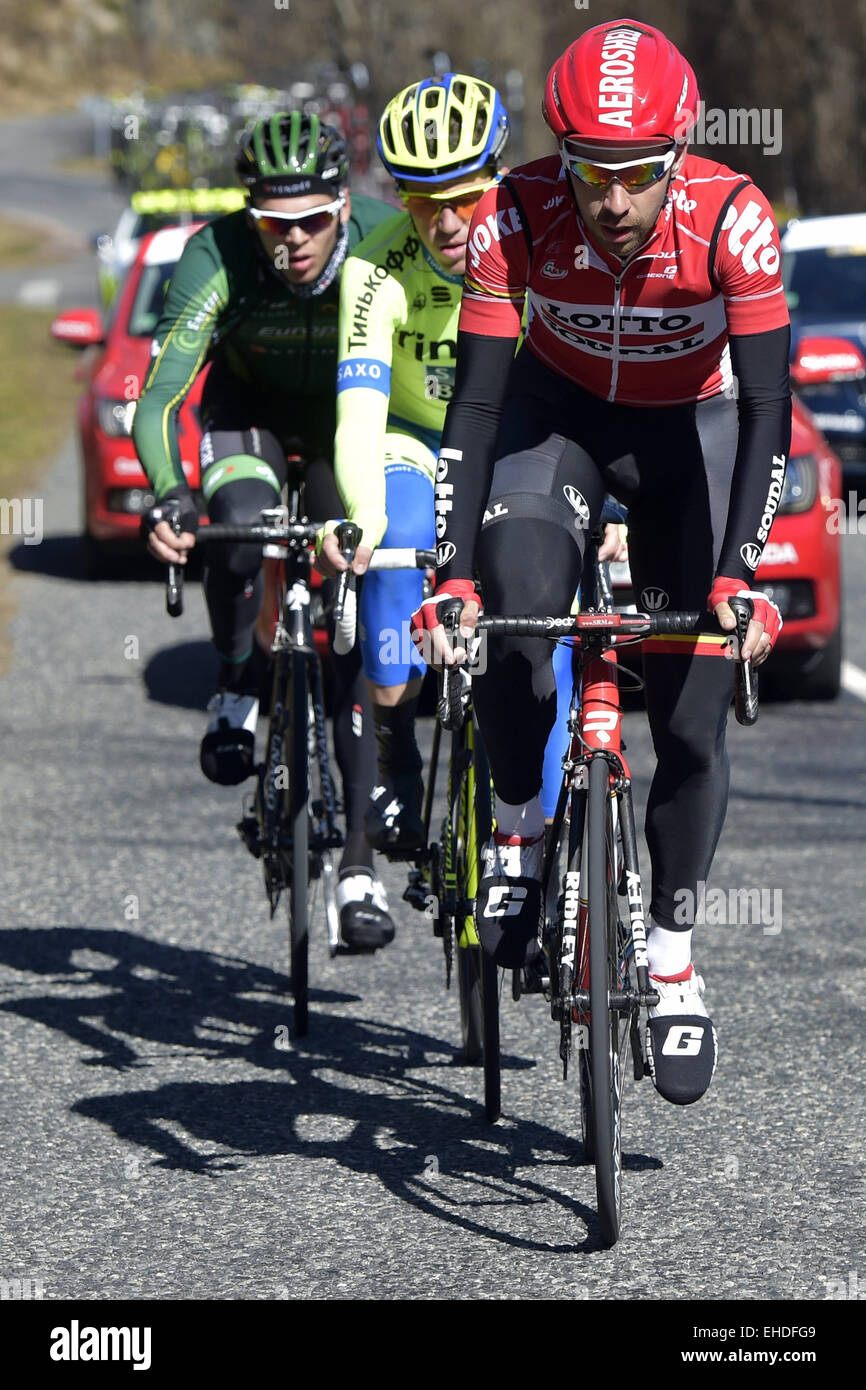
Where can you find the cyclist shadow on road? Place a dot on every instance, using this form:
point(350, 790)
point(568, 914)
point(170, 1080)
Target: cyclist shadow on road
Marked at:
point(140, 994)
point(369, 1095)
point(184, 675)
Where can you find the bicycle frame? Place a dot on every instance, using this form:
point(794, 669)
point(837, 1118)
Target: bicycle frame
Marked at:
point(293, 633)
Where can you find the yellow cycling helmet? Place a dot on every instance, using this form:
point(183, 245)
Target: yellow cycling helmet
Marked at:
point(442, 128)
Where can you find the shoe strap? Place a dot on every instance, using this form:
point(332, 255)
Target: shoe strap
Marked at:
point(500, 839)
point(675, 979)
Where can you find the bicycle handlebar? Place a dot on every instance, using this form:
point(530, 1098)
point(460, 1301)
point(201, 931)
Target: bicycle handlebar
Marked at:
point(282, 532)
point(346, 604)
point(634, 625)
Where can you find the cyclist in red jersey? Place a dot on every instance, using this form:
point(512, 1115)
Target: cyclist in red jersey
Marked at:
point(655, 367)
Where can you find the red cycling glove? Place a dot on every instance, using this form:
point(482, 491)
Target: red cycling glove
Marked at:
point(765, 610)
point(424, 619)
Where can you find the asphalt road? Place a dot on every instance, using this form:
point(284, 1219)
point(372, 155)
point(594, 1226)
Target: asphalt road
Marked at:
point(161, 1142)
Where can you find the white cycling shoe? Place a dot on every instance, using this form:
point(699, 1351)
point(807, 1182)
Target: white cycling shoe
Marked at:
point(227, 753)
point(682, 1047)
point(365, 923)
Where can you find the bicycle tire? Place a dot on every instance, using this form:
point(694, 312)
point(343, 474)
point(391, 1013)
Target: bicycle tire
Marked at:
point(478, 970)
point(464, 844)
point(489, 969)
point(295, 756)
point(607, 1026)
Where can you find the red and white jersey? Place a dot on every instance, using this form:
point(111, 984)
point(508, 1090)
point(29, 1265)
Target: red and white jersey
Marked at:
point(650, 331)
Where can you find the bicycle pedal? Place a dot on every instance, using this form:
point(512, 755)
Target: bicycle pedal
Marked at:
point(248, 829)
point(417, 891)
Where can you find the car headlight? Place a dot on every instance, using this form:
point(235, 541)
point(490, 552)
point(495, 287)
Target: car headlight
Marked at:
point(115, 417)
point(801, 485)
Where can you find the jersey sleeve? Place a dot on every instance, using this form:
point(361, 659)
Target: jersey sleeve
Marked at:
point(372, 305)
point(497, 267)
point(197, 294)
point(747, 265)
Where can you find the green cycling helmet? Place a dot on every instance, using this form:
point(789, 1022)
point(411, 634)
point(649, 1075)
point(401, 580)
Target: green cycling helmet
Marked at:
point(292, 152)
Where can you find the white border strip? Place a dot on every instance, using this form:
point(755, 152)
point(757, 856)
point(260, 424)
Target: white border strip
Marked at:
point(854, 680)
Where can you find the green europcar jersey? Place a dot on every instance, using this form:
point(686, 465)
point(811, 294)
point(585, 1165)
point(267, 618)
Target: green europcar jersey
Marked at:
point(227, 304)
point(398, 345)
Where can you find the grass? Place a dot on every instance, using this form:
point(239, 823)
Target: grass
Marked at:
point(37, 395)
point(93, 165)
point(24, 244)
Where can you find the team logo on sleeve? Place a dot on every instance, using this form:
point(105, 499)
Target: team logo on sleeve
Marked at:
point(750, 237)
point(751, 555)
point(445, 551)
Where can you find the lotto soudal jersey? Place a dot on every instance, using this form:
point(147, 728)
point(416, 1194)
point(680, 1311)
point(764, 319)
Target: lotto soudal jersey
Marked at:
point(227, 303)
point(652, 331)
point(398, 343)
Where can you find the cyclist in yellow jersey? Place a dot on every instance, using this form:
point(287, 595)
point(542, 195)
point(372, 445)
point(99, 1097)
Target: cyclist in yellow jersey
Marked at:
point(441, 139)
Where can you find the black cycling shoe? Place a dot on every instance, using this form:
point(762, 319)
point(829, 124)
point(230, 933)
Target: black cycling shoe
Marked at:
point(392, 822)
point(227, 754)
point(508, 907)
point(365, 923)
point(681, 1042)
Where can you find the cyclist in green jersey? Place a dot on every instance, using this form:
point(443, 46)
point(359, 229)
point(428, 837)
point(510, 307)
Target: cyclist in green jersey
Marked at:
point(441, 139)
point(255, 295)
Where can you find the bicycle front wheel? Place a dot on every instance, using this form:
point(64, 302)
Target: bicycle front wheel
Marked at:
point(608, 1024)
point(478, 975)
point(296, 820)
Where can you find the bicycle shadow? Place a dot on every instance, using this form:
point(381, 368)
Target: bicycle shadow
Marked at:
point(218, 1007)
point(381, 1086)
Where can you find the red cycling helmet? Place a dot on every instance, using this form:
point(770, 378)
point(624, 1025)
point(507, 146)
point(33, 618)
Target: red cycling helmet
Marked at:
point(621, 83)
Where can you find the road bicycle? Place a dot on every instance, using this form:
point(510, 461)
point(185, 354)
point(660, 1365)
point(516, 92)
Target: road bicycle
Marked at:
point(290, 821)
point(595, 975)
point(445, 878)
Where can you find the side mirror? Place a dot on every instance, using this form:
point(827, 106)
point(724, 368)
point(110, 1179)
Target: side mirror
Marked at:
point(79, 327)
point(827, 359)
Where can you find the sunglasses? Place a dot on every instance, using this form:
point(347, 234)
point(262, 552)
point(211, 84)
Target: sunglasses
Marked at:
point(429, 205)
point(633, 173)
point(316, 220)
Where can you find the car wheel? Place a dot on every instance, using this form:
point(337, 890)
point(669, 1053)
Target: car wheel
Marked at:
point(814, 675)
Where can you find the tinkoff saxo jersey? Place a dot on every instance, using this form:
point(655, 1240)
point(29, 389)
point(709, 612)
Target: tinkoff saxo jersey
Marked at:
point(226, 302)
point(398, 345)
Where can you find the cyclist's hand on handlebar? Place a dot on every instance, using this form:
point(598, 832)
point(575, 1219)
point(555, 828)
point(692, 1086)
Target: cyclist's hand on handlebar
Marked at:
point(766, 623)
point(163, 541)
point(614, 546)
point(428, 634)
point(330, 562)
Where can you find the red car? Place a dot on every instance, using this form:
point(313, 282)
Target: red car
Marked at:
point(116, 490)
point(799, 569)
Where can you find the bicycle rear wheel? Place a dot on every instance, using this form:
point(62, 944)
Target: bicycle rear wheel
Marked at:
point(478, 976)
point(463, 851)
point(296, 820)
point(608, 1024)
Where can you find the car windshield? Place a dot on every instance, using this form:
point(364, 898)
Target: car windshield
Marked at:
point(826, 281)
point(149, 298)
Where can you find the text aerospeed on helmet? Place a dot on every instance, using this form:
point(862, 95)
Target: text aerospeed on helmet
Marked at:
point(442, 128)
point(292, 153)
point(622, 82)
